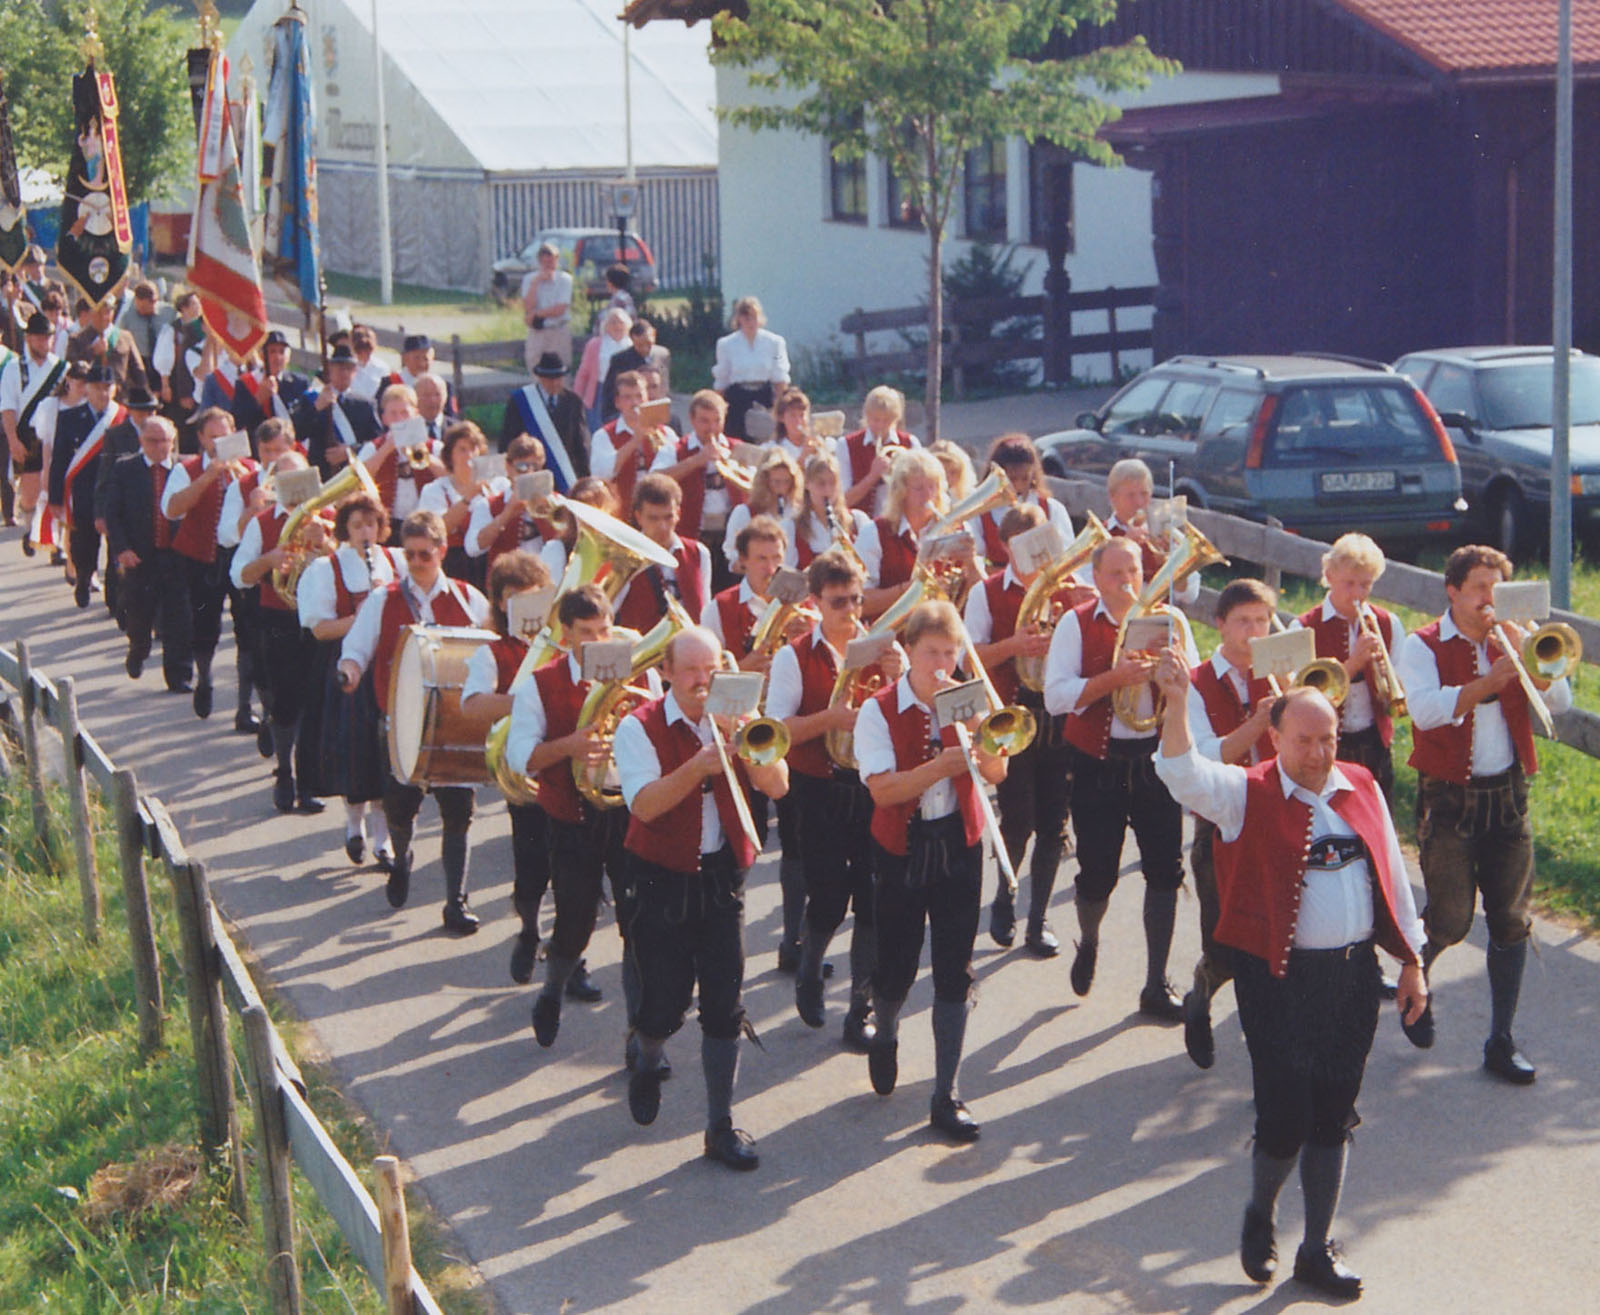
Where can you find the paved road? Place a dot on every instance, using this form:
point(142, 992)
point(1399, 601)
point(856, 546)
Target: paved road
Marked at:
point(1110, 1174)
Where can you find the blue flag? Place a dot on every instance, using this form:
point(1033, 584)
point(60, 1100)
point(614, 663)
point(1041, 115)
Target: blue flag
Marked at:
point(289, 138)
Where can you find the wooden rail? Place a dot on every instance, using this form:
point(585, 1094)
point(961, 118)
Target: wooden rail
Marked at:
point(215, 977)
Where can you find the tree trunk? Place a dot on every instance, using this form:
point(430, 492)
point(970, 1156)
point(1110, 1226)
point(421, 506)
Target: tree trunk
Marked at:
point(935, 331)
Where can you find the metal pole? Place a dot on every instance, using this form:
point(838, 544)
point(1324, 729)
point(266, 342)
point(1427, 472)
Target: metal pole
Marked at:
point(1561, 334)
point(627, 104)
point(385, 240)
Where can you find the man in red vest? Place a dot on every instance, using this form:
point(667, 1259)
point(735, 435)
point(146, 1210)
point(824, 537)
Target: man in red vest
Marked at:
point(643, 600)
point(1311, 880)
point(688, 851)
point(927, 834)
point(1472, 746)
point(424, 597)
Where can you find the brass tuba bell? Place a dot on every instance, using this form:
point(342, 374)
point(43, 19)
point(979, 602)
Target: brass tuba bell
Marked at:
point(353, 479)
point(1036, 611)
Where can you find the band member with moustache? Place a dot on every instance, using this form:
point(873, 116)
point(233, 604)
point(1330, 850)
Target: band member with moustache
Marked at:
point(121, 440)
point(27, 381)
point(332, 421)
point(175, 365)
point(815, 530)
point(1034, 796)
point(889, 546)
point(74, 472)
point(273, 391)
point(400, 481)
point(561, 404)
point(927, 834)
point(1350, 568)
point(424, 596)
point(450, 497)
point(342, 732)
point(1311, 879)
point(643, 600)
point(833, 809)
point(627, 447)
point(774, 491)
point(285, 653)
point(416, 363)
point(688, 854)
point(563, 841)
point(1019, 459)
point(1229, 716)
point(1114, 783)
point(864, 456)
point(1472, 746)
point(139, 537)
point(243, 500)
point(707, 497)
point(501, 522)
point(1130, 487)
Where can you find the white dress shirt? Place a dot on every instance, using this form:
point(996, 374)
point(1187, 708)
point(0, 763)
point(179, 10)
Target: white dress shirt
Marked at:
point(1063, 669)
point(177, 482)
point(818, 537)
point(1206, 740)
point(407, 498)
point(12, 393)
point(553, 291)
point(529, 721)
point(361, 640)
point(752, 363)
point(741, 516)
point(875, 750)
point(1356, 712)
point(869, 545)
point(440, 496)
point(249, 549)
point(714, 501)
point(639, 766)
point(482, 675)
point(1433, 705)
point(233, 509)
point(317, 598)
point(979, 623)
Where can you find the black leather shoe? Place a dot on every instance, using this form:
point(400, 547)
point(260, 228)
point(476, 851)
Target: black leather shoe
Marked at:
point(202, 700)
point(1042, 942)
point(1324, 1269)
point(1197, 1038)
point(180, 687)
point(459, 918)
point(27, 545)
point(264, 737)
point(644, 1095)
point(1258, 1248)
point(731, 1146)
point(546, 1018)
point(80, 595)
point(581, 987)
point(1082, 975)
point(245, 723)
point(1420, 1032)
point(355, 847)
point(1002, 924)
point(524, 954)
point(860, 1029)
point(630, 1058)
point(883, 1064)
point(283, 792)
point(789, 956)
point(1502, 1058)
point(951, 1118)
point(309, 804)
point(134, 666)
point(1161, 1003)
point(808, 1002)
point(398, 887)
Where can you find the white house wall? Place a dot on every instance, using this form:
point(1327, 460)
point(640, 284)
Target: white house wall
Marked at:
point(809, 270)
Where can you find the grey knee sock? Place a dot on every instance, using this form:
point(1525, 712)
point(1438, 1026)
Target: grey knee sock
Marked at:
point(453, 858)
point(887, 1012)
point(813, 949)
point(1267, 1176)
point(557, 970)
point(719, 1057)
point(792, 884)
point(1321, 1181)
point(1091, 912)
point(949, 1035)
point(1160, 913)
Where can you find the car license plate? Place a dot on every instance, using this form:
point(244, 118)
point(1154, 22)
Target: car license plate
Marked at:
point(1358, 481)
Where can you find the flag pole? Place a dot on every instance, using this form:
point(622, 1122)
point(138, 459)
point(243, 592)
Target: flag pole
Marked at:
point(385, 244)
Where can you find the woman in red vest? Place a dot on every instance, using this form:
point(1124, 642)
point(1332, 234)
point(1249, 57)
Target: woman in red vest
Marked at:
point(451, 498)
point(917, 497)
point(1311, 880)
point(927, 834)
point(867, 456)
point(688, 853)
point(1018, 458)
point(774, 491)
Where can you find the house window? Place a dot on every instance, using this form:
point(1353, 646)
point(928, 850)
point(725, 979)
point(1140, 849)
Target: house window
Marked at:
point(986, 193)
point(847, 190)
point(903, 212)
point(1049, 166)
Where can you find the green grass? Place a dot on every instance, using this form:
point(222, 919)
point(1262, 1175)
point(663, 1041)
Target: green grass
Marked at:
point(75, 1097)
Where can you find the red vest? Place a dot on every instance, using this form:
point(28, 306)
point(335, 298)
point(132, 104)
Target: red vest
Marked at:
point(863, 453)
point(1333, 640)
point(627, 472)
point(819, 669)
point(804, 553)
point(1089, 729)
point(1151, 559)
point(271, 520)
point(510, 538)
point(909, 732)
point(640, 609)
point(1223, 708)
point(196, 537)
point(899, 554)
point(692, 509)
point(449, 609)
point(563, 701)
point(1004, 606)
point(508, 652)
point(1446, 751)
point(993, 545)
point(388, 476)
point(672, 841)
point(1260, 891)
point(345, 601)
point(738, 624)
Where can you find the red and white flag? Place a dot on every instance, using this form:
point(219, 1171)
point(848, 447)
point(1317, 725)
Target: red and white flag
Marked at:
point(224, 263)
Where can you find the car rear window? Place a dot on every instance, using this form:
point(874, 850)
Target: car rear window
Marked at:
point(1519, 396)
point(1329, 423)
point(1233, 413)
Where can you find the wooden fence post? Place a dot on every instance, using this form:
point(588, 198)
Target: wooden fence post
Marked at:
point(136, 901)
point(458, 373)
point(1111, 327)
point(82, 834)
point(1272, 572)
point(396, 1236)
point(30, 751)
point(272, 1155)
point(218, 1111)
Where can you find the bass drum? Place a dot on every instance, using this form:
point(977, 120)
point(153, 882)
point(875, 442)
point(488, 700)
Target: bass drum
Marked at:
point(431, 741)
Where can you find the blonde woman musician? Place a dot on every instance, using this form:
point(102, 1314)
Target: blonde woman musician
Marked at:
point(889, 545)
point(867, 456)
point(775, 492)
point(813, 529)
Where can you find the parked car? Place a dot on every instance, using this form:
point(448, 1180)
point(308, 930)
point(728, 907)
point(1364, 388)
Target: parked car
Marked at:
point(585, 254)
point(1323, 443)
point(1495, 402)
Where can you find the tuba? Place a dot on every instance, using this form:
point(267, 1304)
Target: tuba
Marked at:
point(354, 478)
point(1191, 552)
point(1038, 611)
point(517, 786)
point(994, 490)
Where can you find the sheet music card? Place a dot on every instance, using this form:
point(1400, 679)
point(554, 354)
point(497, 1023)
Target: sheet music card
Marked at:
point(607, 659)
point(1034, 549)
point(734, 694)
point(961, 703)
point(409, 433)
point(945, 546)
point(827, 424)
point(1281, 655)
point(866, 650)
point(788, 586)
point(233, 447)
point(489, 467)
point(1522, 600)
point(536, 487)
point(1148, 634)
point(527, 611)
point(747, 454)
point(1165, 514)
point(656, 414)
point(297, 486)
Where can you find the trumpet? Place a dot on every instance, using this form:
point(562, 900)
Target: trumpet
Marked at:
point(1386, 687)
point(1553, 650)
point(417, 455)
point(734, 473)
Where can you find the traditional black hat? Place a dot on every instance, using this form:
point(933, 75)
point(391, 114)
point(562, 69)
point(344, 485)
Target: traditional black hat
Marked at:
point(342, 355)
point(37, 323)
point(100, 374)
point(416, 342)
point(78, 370)
point(276, 338)
point(139, 399)
point(550, 366)
point(35, 255)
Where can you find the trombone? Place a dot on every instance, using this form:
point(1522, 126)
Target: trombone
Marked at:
point(1553, 650)
point(1021, 729)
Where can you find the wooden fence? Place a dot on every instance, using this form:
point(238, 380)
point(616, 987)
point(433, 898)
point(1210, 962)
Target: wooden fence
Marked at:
point(1281, 553)
point(1055, 347)
point(215, 980)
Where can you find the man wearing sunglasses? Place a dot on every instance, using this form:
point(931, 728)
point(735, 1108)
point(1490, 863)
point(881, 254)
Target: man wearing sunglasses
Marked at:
point(501, 522)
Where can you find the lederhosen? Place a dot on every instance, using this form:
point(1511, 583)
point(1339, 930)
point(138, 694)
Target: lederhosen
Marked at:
point(1368, 746)
point(350, 758)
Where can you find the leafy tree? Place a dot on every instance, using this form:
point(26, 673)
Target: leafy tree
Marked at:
point(919, 83)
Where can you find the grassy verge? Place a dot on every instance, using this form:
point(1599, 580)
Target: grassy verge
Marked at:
point(103, 1204)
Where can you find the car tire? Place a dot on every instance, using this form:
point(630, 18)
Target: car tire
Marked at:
point(1508, 528)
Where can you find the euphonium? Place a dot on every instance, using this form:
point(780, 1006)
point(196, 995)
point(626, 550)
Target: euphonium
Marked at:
point(1037, 610)
point(517, 786)
point(772, 625)
point(353, 479)
point(994, 490)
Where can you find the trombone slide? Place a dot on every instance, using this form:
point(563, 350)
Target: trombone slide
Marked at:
point(991, 823)
point(1535, 700)
point(741, 806)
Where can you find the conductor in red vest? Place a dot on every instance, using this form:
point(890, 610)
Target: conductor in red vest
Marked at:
point(1311, 883)
point(688, 851)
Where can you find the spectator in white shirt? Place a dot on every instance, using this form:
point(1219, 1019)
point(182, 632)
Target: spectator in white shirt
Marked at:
point(752, 364)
